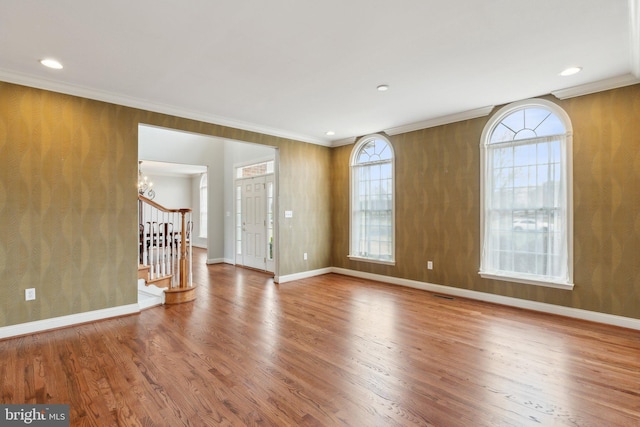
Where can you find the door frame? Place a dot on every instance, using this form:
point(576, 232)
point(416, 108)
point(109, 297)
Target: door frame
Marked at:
point(273, 177)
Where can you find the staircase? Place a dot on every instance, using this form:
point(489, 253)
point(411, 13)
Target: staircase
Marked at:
point(164, 254)
point(151, 292)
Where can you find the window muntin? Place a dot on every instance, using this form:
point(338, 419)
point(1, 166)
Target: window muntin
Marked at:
point(533, 122)
point(526, 203)
point(372, 200)
point(256, 169)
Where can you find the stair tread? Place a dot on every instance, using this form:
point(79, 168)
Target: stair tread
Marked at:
point(159, 280)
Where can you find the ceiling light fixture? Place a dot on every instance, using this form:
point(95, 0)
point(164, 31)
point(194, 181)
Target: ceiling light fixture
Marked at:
point(144, 185)
point(51, 63)
point(383, 88)
point(570, 71)
point(329, 133)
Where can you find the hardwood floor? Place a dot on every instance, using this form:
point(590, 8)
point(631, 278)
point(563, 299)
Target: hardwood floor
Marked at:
point(328, 351)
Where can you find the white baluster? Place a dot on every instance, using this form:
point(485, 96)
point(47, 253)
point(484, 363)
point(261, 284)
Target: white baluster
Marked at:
point(156, 255)
point(161, 241)
point(167, 242)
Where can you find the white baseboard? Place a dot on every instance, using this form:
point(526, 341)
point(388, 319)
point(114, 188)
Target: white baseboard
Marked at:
point(92, 316)
point(216, 261)
point(302, 275)
point(576, 313)
point(64, 321)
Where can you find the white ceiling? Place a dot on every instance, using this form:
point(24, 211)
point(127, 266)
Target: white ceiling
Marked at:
point(298, 68)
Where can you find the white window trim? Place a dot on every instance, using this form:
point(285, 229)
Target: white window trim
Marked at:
point(371, 260)
point(484, 139)
point(352, 160)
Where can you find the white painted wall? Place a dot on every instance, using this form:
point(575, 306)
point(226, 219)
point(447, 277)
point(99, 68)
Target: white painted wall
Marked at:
point(166, 145)
point(194, 188)
point(172, 192)
point(176, 192)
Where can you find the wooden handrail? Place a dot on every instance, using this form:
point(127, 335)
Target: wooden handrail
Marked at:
point(159, 261)
point(162, 208)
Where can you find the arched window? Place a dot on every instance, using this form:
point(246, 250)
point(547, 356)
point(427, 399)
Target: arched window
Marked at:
point(526, 209)
point(372, 200)
point(203, 205)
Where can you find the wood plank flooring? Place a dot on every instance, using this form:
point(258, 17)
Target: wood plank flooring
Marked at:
point(328, 351)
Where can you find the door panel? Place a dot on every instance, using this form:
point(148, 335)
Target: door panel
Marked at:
point(253, 223)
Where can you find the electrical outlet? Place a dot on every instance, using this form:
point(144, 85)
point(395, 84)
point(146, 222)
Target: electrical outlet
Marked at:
point(30, 294)
point(304, 256)
point(430, 265)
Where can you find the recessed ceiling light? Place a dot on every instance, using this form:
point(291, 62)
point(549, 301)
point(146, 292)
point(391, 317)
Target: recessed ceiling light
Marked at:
point(383, 88)
point(329, 133)
point(570, 71)
point(51, 63)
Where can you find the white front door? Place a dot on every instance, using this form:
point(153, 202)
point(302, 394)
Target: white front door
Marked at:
point(254, 223)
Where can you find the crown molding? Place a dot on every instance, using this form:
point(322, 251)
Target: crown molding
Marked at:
point(440, 121)
point(127, 101)
point(344, 141)
point(425, 124)
point(598, 86)
point(84, 92)
point(634, 36)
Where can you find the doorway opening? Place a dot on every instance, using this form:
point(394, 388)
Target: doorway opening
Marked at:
point(220, 157)
point(255, 195)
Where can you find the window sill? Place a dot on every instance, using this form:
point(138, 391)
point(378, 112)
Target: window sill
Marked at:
point(527, 280)
point(371, 260)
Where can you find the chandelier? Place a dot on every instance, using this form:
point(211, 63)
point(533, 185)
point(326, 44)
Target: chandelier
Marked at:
point(144, 185)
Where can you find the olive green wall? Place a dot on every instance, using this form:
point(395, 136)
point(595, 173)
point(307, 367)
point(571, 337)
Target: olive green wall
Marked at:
point(68, 201)
point(438, 207)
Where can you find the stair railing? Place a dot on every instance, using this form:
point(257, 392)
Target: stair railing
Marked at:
point(165, 242)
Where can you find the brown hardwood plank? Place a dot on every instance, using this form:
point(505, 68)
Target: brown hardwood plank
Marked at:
point(327, 351)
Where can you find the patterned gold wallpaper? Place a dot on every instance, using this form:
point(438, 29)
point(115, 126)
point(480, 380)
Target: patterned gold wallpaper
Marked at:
point(305, 189)
point(65, 221)
point(68, 204)
point(68, 201)
point(438, 217)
